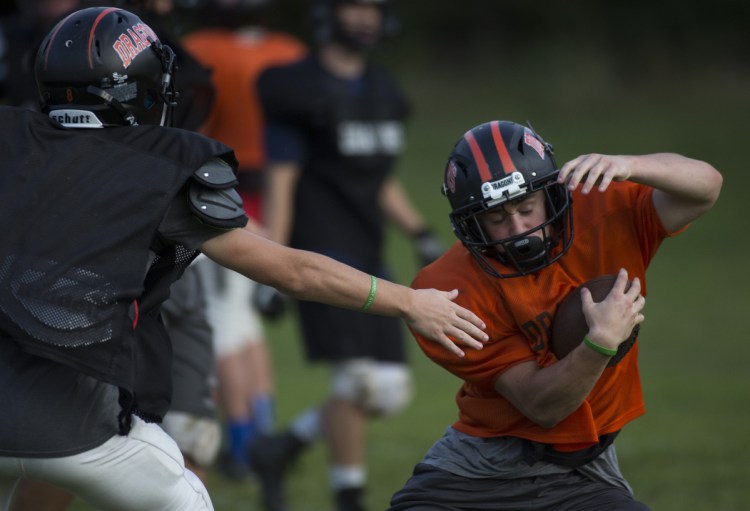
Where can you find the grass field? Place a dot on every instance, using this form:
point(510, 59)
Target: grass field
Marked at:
point(690, 451)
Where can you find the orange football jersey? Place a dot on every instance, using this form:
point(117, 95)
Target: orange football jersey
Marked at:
point(615, 229)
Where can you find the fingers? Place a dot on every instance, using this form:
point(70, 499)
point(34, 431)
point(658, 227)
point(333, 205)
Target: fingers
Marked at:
point(589, 169)
point(613, 319)
point(587, 166)
point(447, 323)
point(451, 346)
point(467, 323)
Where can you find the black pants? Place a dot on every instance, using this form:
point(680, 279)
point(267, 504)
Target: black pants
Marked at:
point(434, 490)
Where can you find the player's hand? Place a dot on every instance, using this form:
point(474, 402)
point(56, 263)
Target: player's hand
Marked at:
point(590, 170)
point(269, 301)
point(612, 320)
point(428, 246)
point(436, 317)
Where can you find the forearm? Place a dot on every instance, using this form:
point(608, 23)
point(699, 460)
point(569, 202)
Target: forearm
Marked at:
point(398, 208)
point(548, 395)
point(279, 200)
point(676, 175)
point(322, 279)
point(314, 277)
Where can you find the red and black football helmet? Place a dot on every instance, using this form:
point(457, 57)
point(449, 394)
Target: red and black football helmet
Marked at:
point(492, 164)
point(103, 66)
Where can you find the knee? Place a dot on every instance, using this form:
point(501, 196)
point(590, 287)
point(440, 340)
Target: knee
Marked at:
point(379, 389)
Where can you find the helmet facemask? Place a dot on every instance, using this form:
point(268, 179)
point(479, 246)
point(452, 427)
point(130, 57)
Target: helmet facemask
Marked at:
point(526, 252)
point(497, 164)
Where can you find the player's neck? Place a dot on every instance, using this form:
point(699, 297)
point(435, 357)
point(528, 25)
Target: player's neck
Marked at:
point(342, 62)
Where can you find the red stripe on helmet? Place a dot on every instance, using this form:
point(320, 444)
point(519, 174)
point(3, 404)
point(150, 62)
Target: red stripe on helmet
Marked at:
point(502, 151)
point(93, 30)
point(476, 152)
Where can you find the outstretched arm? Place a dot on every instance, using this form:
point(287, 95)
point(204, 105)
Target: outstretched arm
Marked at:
point(684, 188)
point(314, 277)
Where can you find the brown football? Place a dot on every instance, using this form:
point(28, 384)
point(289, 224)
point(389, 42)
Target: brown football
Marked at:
point(569, 326)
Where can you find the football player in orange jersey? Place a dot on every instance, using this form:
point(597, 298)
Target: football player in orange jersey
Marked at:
point(536, 432)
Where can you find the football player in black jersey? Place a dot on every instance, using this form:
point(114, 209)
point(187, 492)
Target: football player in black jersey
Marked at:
point(102, 206)
point(335, 128)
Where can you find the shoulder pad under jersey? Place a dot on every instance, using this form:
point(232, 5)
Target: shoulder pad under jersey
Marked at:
point(212, 196)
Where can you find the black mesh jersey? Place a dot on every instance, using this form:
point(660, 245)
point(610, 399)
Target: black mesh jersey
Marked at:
point(81, 278)
point(352, 133)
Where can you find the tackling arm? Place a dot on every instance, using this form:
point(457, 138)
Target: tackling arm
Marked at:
point(310, 276)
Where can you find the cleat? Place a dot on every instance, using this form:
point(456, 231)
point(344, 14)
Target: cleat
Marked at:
point(271, 456)
point(350, 499)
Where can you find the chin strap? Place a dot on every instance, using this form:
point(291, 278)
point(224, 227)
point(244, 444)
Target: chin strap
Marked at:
point(169, 71)
point(127, 116)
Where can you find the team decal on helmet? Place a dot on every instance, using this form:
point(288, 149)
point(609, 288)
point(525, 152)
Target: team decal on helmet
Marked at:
point(132, 42)
point(450, 176)
point(530, 140)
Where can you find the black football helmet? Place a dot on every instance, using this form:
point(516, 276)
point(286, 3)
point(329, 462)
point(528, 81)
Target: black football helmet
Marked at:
point(327, 26)
point(492, 164)
point(103, 66)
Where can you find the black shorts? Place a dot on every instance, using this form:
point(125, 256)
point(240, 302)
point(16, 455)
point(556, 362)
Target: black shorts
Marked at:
point(334, 334)
point(431, 489)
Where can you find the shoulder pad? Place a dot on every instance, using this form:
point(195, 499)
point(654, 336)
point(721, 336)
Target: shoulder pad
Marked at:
point(213, 199)
point(216, 174)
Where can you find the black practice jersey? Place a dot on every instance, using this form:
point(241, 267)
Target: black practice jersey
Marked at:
point(51, 410)
point(96, 226)
point(346, 135)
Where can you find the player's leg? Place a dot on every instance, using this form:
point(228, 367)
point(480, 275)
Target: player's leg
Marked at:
point(361, 389)
point(198, 438)
point(344, 424)
point(238, 339)
point(430, 487)
point(143, 470)
point(7, 484)
point(260, 387)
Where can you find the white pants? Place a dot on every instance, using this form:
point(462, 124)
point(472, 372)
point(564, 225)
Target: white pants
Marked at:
point(141, 471)
point(235, 321)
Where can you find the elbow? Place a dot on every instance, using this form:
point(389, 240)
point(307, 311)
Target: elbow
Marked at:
point(544, 416)
point(545, 420)
point(717, 181)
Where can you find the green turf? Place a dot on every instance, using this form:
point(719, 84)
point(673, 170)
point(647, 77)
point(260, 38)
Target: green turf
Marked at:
point(690, 451)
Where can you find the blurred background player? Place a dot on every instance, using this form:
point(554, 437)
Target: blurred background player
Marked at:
point(235, 43)
point(335, 127)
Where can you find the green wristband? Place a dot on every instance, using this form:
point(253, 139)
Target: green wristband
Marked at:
point(371, 296)
point(599, 349)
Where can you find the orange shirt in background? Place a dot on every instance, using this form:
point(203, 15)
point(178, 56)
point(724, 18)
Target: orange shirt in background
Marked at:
point(236, 59)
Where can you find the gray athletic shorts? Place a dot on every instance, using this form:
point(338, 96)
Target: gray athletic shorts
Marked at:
point(432, 489)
